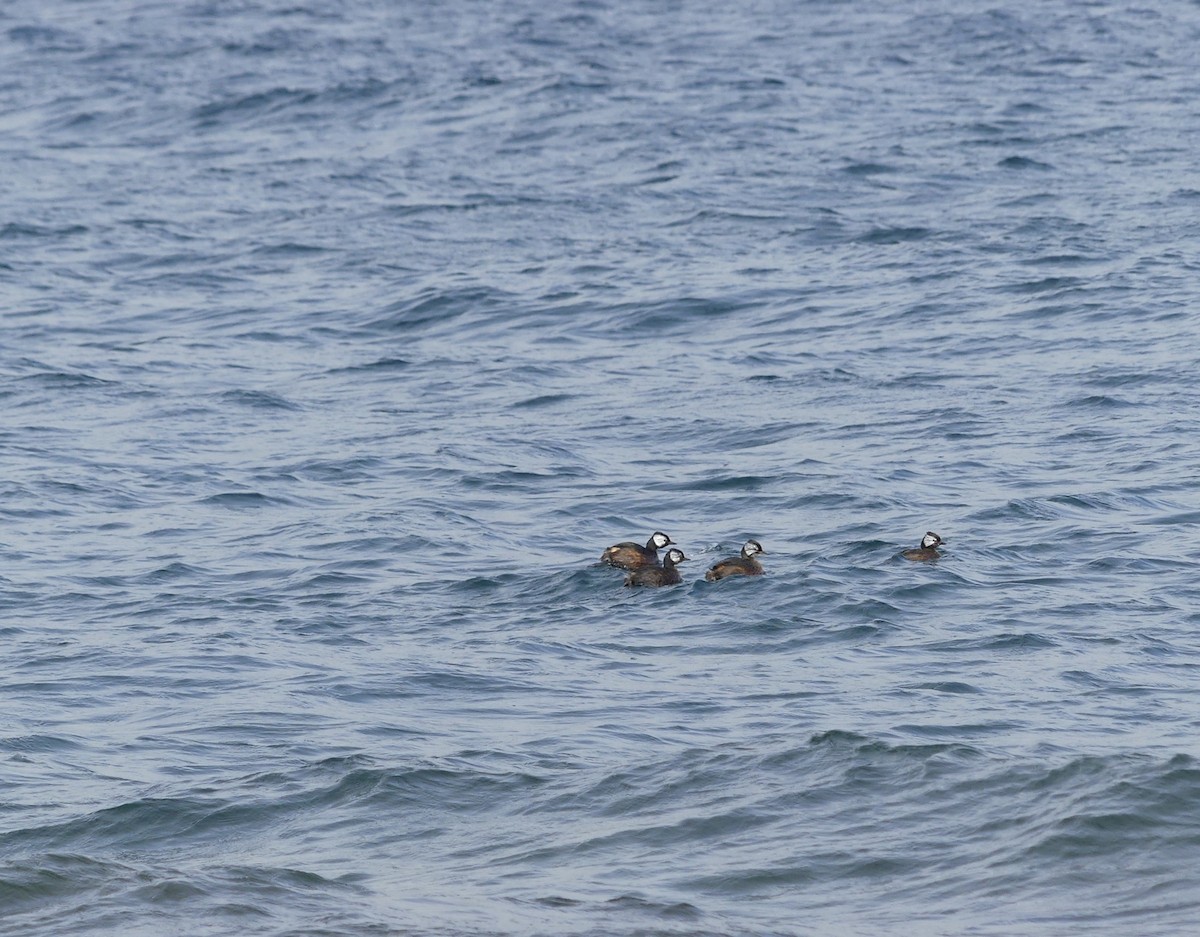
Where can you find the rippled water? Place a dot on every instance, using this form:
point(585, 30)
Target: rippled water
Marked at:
point(339, 339)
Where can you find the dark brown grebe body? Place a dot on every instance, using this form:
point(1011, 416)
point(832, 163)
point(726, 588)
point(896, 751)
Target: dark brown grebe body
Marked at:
point(928, 550)
point(744, 565)
point(630, 555)
point(665, 575)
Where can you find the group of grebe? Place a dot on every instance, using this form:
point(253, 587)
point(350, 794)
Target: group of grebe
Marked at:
point(644, 569)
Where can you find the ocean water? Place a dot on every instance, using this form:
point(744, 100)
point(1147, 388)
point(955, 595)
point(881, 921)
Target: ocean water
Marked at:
point(338, 339)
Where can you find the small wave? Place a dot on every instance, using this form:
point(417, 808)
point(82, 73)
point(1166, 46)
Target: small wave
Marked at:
point(1063, 260)
point(1021, 508)
point(289, 249)
point(381, 365)
point(39, 743)
point(27, 884)
point(16, 230)
point(174, 572)
point(947, 686)
point(894, 235)
point(352, 469)
point(1028, 641)
point(46, 38)
point(1116, 805)
point(542, 400)
point(242, 499)
point(254, 106)
point(257, 399)
point(1100, 402)
point(1023, 162)
point(439, 307)
point(1183, 518)
point(68, 380)
point(1044, 285)
point(509, 479)
point(869, 169)
point(731, 483)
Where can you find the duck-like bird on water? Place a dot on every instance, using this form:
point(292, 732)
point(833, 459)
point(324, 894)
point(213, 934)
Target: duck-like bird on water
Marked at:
point(665, 575)
point(630, 555)
point(928, 550)
point(744, 565)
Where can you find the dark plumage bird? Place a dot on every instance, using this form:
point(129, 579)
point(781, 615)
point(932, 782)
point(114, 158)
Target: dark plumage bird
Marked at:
point(928, 550)
point(744, 565)
point(665, 575)
point(630, 555)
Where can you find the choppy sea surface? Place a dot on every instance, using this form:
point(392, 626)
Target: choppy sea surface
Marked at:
point(337, 339)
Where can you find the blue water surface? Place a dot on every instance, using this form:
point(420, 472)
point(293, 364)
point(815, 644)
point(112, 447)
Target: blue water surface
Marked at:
point(338, 339)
